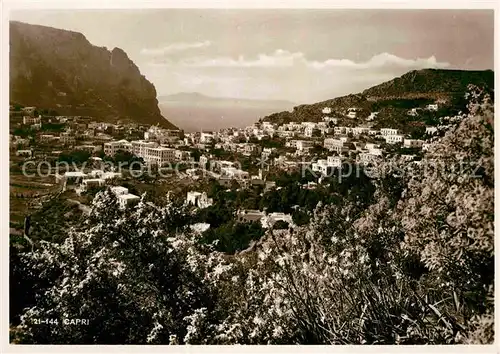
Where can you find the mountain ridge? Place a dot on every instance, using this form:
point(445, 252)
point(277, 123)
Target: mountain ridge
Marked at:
point(444, 85)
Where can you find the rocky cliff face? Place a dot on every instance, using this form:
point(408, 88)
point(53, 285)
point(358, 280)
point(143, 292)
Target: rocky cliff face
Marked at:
point(62, 70)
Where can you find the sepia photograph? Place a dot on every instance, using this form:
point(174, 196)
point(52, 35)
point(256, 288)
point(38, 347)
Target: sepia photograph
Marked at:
point(250, 176)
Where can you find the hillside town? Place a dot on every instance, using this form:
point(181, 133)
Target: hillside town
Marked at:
point(318, 148)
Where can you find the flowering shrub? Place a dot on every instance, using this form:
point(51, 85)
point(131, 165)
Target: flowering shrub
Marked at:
point(133, 274)
point(447, 213)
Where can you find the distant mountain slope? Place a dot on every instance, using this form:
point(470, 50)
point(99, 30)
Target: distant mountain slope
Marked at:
point(413, 89)
point(62, 70)
point(432, 83)
point(193, 111)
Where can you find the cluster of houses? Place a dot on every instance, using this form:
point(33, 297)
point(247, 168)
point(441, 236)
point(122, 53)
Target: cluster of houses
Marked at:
point(158, 146)
point(338, 138)
point(416, 111)
point(325, 144)
point(341, 141)
point(81, 182)
point(266, 220)
point(77, 133)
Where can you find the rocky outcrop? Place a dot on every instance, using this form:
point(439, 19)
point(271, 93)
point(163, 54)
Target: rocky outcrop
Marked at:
point(61, 70)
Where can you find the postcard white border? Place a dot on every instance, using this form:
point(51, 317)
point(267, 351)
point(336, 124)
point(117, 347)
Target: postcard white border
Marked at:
point(9, 5)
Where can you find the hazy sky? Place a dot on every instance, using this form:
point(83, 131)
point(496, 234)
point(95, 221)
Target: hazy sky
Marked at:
point(299, 55)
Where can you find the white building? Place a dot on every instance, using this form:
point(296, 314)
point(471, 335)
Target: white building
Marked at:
point(29, 110)
point(360, 130)
point(20, 141)
point(161, 134)
point(334, 161)
point(248, 148)
point(325, 167)
point(431, 130)
point(336, 145)
point(158, 155)
point(89, 148)
point(233, 172)
point(407, 157)
point(285, 133)
point(373, 149)
point(70, 179)
point(268, 126)
point(126, 200)
point(352, 112)
point(198, 199)
point(119, 190)
point(372, 116)
point(149, 151)
point(152, 133)
point(294, 126)
point(426, 146)
point(326, 110)
point(206, 138)
point(66, 139)
point(332, 120)
point(111, 175)
point(245, 216)
point(112, 147)
point(270, 219)
point(46, 138)
point(368, 157)
point(413, 112)
point(310, 131)
point(432, 107)
point(203, 161)
point(200, 227)
point(124, 197)
point(26, 153)
point(90, 183)
point(266, 152)
point(371, 146)
point(339, 130)
point(181, 155)
point(389, 131)
point(27, 120)
point(139, 147)
point(302, 145)
point(413, 143)
point(394, 139)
